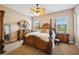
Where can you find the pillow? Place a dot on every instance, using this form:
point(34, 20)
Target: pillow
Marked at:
point(44, 30)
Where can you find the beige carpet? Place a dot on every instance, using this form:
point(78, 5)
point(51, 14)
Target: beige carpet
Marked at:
point(26, 50)
point(62, 49)
point(65, 49)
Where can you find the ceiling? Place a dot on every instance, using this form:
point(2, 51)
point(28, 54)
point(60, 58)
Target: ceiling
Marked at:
point(49, 8)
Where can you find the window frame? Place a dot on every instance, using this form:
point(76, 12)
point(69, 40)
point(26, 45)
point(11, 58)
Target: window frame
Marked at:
point(61, 17)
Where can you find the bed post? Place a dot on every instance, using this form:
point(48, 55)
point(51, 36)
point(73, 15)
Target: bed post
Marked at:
point(50, 30)
point(50, 36)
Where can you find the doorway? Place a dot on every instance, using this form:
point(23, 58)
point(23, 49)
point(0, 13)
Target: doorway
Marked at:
point(6, 33)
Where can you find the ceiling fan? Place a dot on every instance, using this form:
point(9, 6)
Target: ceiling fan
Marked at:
point(38, 10)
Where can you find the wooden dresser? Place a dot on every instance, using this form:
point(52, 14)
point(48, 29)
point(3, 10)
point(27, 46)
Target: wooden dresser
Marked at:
point(63, 37)
point(1, 31)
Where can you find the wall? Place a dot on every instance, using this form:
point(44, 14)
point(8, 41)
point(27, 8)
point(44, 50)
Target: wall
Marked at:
point(53, 16)
point(11, 17)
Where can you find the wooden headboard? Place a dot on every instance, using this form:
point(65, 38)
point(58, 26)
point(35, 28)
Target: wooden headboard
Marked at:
point(45, 26)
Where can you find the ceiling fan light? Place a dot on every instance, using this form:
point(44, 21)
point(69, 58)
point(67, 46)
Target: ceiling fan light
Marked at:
point(38, 14)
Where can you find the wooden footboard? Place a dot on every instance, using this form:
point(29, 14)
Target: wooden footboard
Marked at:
point(38, 43)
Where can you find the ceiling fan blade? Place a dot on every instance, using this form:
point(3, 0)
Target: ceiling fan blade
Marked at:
point(34, 9)
point(42, 13)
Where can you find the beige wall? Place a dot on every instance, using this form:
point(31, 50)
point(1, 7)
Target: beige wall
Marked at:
point(53, 16)
point(11, 17)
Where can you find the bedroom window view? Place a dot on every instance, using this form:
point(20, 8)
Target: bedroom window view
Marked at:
point(39, 29)
point(62, 24)
point(36, 25)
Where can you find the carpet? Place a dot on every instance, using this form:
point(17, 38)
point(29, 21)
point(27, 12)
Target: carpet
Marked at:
point(26, 50)
point(62, 49)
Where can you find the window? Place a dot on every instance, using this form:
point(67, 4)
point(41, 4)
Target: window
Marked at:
point(62, 24)
point(36, 25)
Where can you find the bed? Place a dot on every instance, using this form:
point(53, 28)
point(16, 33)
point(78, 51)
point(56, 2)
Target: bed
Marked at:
point(40, 40)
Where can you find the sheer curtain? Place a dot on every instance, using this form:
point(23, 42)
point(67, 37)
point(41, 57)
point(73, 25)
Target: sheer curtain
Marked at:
point(77, 40)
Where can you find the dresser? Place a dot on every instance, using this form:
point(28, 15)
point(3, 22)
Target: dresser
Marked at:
point(1, 31)
point(63, 37)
